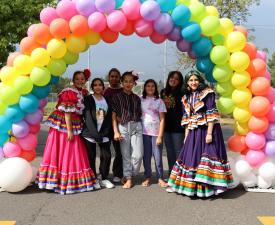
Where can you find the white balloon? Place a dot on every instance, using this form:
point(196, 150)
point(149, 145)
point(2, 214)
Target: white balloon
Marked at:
point(250, 180)
point(15, 174)
point(267, 171)
point(236, 179)
point(34, 173)
point(242, 168)
point(262, 183)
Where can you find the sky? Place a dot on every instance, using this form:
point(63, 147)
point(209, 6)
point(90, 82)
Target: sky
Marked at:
point(147, 58)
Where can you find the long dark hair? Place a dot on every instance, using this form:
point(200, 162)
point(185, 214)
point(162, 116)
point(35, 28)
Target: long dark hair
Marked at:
point(168, 88)
point(156, 94)
point(202, 83)
point(97, 79)
point(114, 70)
point(78, 72)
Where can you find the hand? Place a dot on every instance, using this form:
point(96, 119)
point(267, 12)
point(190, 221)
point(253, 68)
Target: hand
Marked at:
point(159, 140)
point(118, 136)
point(208, 138)
point(70, 135)
point(184, 139)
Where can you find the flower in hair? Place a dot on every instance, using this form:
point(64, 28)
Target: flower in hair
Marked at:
point(87, 74)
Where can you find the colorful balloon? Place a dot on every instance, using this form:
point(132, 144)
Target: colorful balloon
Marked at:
point(255, 141)
point(150, 10)
point(116, 21)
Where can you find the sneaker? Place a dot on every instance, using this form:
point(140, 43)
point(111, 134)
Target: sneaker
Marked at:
point(116, 179)
point(97, 185)
point(169, 190)
point(106, 184)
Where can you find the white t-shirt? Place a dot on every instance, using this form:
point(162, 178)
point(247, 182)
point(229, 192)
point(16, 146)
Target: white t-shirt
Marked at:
point(151, 108)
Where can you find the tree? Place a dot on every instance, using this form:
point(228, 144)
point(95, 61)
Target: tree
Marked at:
point(15, 18)
point(271, 65)
point(63, 82)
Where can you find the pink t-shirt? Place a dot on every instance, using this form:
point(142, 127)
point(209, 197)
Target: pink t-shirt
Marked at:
point(151, 108)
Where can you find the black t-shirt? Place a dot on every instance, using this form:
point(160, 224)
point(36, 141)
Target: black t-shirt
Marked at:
point(174, 112)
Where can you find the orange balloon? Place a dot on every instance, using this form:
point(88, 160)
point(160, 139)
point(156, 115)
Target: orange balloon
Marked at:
point(60, 28)
point(109, 36)
point(129, 29)
point(244, 152)
point(258, 124)
point(12, 57)
point(41, 33)
point(28, 155)
point(241, 29)
point(259, 106)
point(260, 86)
point(27, 45)
point(250, 50)
point(236, 143)
point(79, 25)
point(257, 68)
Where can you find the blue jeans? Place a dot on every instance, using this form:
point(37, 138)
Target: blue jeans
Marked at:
point(173, 143)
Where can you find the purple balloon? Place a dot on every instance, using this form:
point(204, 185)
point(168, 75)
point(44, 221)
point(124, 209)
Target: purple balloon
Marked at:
point(270, 148)
point(34, 118)
point(85, 7)
point(192, 54)
point(1, 153)
point(150, 10)
point(175, 34)
point(20, 129)
point(183, 45)
point(164, 24)
point(105, 6)
point(270, 133)
point(43, 102)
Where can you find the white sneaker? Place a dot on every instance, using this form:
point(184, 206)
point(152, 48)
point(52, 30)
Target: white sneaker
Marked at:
point(116, 179)
point(106, 184)
point(169, 190)
point(97, 185)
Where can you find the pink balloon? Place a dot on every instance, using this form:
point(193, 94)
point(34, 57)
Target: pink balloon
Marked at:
point(255, 158)
point(47, 15)
point(131, 9)
point(117, 21)
point(29, 32)
point(150, 10)
point(66, 9)
point(34, 118)
point(157, 38)
point(43, 102)
point(261, 55)
point(255, 141)
point(192, 54)
point(143, 28)
point(97, 21)
point(271, 95)
point(34, 129)
point(105, 6)
point(271, 114)
point(28, 143)
point(11, 149)
point(20, 129)
point(12, 57)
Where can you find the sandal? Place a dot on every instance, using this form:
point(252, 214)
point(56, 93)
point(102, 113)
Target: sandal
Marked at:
point(162, 183)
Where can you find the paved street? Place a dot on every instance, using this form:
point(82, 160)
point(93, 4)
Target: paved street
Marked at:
point(138, 206)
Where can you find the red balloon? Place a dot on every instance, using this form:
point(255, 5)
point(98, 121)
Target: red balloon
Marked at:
point(250, 50)
point(129, 29)
point(257, 68)
point(157, 38)
point(28, 155)
point(236, 143)
point(109, 36)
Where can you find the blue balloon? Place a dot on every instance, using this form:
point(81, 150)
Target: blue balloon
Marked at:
point(14, 113)
point(28, 103)
point(204, 64)
point(202, 47)
point(191, 32)
point(209, 77)
point(3, 139)
point(119, 3)
point(5, 124)
point(54, 80)
point(41, 92)
point(181, 15)
point(167, 5)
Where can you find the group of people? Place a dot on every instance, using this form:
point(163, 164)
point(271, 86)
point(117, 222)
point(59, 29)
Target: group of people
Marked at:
point(183, 116)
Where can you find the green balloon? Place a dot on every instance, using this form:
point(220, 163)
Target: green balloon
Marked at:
point(225, 89)
point(198, 11)
point(218, 39)
point(219, 55)
point(9, 95)
point(3, 108)
point(71, 58)
point(222, 73)
point(57, 67)
point(225, 105)
point(183, 2)
point(210, 25)
point(23, 85)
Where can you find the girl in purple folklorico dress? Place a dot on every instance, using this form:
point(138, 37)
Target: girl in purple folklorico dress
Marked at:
point(202, 168)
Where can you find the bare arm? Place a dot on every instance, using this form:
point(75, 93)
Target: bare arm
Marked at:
point(186, 132)
point(161, 128)
point(68, 120)
point(117, 135)
point(208, 138)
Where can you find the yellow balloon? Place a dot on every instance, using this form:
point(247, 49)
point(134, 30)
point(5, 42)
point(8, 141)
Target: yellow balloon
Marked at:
point(235, 41)
point(23, 85)
point(7, 75)
point(183, 2)
point(92, 38)
point(241, 128)
point(56, 48)
point(241, 115)
point(239, 61)
point(241, 79)
point(3, 108)
point(226, 26)
point(23, 64)
point(241, 97)
point(76, 44)
point(212, 11)
point(40, 57)
point(198, 11)
point(9, 95)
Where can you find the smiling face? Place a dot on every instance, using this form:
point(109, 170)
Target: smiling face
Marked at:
point(150, 89)
point(114, 79)
point(174, 81)
point(193, 83)
point(98, 87)
point(128, 83)
point(79, 80)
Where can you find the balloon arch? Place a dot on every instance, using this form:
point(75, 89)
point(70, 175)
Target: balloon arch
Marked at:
point(221, 51)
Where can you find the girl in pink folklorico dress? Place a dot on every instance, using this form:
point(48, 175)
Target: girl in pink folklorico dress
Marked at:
point(65, 167)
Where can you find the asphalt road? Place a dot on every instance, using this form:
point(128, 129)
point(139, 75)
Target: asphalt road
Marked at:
point(138, 206)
